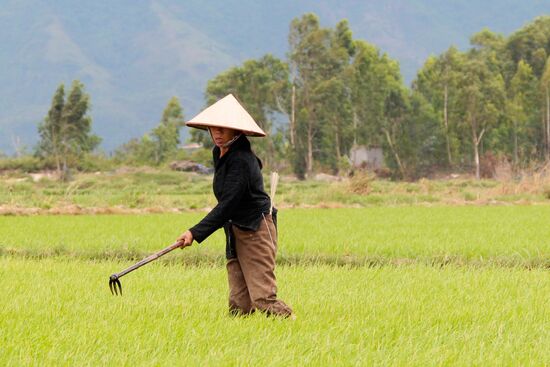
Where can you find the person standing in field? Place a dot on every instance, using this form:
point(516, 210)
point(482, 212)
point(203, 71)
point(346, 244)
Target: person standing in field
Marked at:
point(243, 210)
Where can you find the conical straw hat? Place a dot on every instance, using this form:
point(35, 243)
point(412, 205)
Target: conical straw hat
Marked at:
point(228, 113)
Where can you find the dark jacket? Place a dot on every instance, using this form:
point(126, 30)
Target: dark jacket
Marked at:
point(238, 186)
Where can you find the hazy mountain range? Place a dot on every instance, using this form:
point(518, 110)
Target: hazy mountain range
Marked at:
point(133, 55)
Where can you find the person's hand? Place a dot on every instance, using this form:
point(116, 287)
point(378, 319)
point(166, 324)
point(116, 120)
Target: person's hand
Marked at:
point(185, 239)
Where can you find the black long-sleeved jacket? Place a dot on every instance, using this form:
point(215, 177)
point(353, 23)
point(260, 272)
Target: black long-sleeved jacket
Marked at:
point(238, 186)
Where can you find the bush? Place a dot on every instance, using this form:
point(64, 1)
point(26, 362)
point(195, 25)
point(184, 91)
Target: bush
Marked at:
point(94, 163)
point(344, 166)
point(202, 156)
point(468, 196)
point(25, 163)
point(488, 165)
point(360, 183)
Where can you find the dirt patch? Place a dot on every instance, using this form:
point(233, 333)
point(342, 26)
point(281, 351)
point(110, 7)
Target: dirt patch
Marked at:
point(77, 210)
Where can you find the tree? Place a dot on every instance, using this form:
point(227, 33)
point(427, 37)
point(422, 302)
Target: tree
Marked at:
point(379, 103)
point(160, 144)
point(308, 59)
point(392, 125)
point(335, 121)
point(333, 96)
point(424, 140)
point(65, 133)
point(50, 130)
point(518, 106)
point(437, 81)
point(262, 86)
point(369, 82)
point(166, 136)
point(482, 98)
point(320, 64)
point(343, 92)
point(531, 44)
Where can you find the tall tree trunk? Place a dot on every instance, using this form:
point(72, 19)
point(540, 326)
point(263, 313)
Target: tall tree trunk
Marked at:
point(515, 131)
point(354, 128)
point(62, 166)
point(309, 162)
point(310, 125)
point(395, 154)
point(476, 150)
point(337, 144)
point(293, 117)
point(476, 139)
point(58, 164)
point(446, 121)
point(55, 147)
point(337, 147)
point(65, 171)
point(476, 159)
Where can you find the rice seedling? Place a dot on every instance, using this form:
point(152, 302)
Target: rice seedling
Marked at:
point(59, 312)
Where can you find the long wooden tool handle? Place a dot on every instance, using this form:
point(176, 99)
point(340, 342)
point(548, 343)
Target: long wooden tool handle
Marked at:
point(150, 258)
point(273, 186)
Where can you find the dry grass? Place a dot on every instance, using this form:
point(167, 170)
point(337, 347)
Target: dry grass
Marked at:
point(160, 191)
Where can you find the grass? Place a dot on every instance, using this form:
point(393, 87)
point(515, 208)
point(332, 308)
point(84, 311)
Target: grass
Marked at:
point(378, 272)
point(59, 311)
point(159, 190)
point(501, 235)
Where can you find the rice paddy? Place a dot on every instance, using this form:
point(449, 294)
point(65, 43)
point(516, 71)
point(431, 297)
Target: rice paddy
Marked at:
point(377, 285)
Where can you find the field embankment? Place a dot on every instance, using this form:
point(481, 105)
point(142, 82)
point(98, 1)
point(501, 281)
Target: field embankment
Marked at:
point(158, 191)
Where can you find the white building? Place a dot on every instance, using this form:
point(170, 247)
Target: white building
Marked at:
point(362, 156)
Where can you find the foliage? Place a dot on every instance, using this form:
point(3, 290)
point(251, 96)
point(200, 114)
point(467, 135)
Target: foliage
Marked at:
point(320, 61)
point(334, 92)
point(262, 87)
point(65, 133)
point(438, 82)
point(158, 146)
point(487, 97)
point(342, 92)
point(24, 163)
point(166, 136)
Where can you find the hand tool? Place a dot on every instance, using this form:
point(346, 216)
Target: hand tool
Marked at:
point(114, 280)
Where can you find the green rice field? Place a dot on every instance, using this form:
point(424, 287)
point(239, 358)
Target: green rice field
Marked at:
point(399, 286)
point(509, 235)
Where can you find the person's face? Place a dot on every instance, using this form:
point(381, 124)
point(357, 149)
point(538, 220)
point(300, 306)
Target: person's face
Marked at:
point(221, 135)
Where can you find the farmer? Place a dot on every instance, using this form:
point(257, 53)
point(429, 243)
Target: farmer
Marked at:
point(243, 210)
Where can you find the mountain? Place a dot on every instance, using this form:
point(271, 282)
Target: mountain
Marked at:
point(133, 55)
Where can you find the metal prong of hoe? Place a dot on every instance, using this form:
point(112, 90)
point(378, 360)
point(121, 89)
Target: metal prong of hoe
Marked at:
point(113, 282)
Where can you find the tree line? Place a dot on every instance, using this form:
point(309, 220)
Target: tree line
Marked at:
point(490, 101)
point(334, 92)
point(66, 140)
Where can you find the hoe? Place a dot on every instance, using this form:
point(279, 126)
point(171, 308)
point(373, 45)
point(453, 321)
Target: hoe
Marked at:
point(114, 280)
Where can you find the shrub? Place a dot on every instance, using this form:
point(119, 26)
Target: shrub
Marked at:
point(25, 163)
point(202, 156)
point(360, 183)
point(488, 165)
point(95, 162)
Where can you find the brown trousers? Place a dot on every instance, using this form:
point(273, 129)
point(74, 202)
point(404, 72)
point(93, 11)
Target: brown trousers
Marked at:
point(251, 276)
